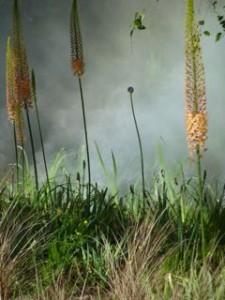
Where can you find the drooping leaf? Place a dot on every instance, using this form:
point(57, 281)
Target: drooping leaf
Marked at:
point(201, 22)
point(206, 32)
point(220, 18)
point(214, 4)
point(218, 36)
point(223, 24)
point(138, 22)
point(131, 32)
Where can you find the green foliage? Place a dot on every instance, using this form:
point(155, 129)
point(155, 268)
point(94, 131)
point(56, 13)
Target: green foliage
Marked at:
point(219, 10)
point(71, 238)
point(137, 23)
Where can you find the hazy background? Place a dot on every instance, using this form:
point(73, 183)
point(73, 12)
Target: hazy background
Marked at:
point(155, 69)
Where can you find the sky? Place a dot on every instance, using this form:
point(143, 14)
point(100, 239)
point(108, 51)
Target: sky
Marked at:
point(154, 66)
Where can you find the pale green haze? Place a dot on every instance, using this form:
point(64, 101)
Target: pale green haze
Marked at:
point(155, 68)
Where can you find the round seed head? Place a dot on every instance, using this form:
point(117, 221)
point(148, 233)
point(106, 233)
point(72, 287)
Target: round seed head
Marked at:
point(130, 89)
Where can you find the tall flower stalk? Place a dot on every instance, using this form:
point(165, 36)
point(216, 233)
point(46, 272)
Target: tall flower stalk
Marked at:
point(131, 90)
point(77, 65)
point(22, 77)
point(14, 110)
point(195, 102)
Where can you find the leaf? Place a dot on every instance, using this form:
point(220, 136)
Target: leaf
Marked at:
point(138, 18)
point(206, 32)
point(218, 36)
point(201, 22)
point(220, 18)
point(223, 24)
point(214, 4)
point(131, 32)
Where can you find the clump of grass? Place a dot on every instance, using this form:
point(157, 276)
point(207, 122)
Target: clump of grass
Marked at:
point(77, 64)
point(195, 100)
point(19, 237)
point(141, 258)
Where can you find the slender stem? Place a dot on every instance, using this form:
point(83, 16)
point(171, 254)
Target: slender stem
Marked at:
point(16, 153)
point(42, 141)
point(21, 137)
point(23, 166)
point(140, 146)
point(201, 199)
point(83, 177)
point(32, 146)
point(86, 136)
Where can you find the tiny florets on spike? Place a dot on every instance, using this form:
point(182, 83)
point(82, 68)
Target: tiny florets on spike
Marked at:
point(196, 125)
point(77, 66)
point(77, 59)
point(22, 77)
point(195, 91)
point(10, 87)
point(13, 105)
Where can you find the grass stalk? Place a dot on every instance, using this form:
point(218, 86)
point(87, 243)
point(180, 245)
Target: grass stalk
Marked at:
point(32, 147)
point(131, 90)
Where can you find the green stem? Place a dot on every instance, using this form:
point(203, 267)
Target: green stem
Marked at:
point(42, 140)
point(201, 199)
point(16, 153)
point(86, 136)
point(140, 146)
point(32, 146)
point(23, 166)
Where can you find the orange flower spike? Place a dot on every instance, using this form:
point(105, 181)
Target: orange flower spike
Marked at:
point(13, 106)
point(22, 77)
point(10, 88)
point(77, 59)
point(195, 91)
